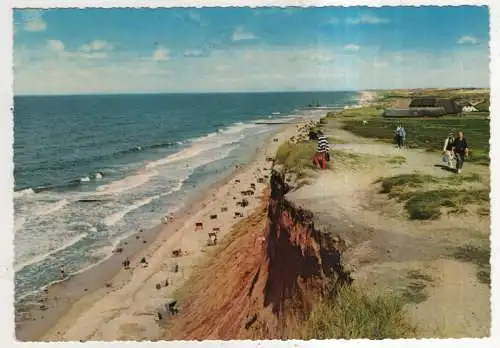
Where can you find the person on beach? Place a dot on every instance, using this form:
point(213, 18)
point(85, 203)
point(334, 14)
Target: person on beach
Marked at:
point(126, 263)
point(322, 155)
point(448, 144)
point(461, 150)
point(400, 136)
point(62, 272)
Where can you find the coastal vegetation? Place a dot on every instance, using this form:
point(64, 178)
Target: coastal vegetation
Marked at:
point(479, 255)
point(351, 314)
point(415, 291)
point(296, 157)
point(429, 134)
point(367, 111)
point(424, 196)
point(397, 160)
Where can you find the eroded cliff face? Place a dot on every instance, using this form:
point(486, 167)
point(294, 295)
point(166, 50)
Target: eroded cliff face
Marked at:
point(303, 262)
point(264, 279)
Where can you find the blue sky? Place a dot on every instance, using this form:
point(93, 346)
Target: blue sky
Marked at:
point(60, 51)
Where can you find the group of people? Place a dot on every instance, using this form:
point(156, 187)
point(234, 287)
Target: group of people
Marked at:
point(455, 147)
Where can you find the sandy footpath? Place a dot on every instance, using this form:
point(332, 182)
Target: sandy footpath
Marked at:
point(125, 309)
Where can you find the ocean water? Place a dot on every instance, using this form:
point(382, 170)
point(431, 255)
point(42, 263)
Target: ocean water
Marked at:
point(91, 170)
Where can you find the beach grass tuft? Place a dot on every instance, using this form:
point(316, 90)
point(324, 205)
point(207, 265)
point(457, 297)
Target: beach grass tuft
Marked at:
point(397, 160)
point(480, 256)
point(353, 314)
point(424, 204)
point(296, 158)
point(398, 184)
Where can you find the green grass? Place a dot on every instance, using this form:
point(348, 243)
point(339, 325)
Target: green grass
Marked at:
point(398, 160)
point(480, 256)
point(484, 106)
point(368, 111)
point(346, 158)
point(415, 290)
point(396, 185)
point(296, 158)
point(473, 114)
point(352, 314)
point(426, 204)
point(484, 210)
point(418, 275)
point(316, 128)
point(403, 182)
point(429, 133)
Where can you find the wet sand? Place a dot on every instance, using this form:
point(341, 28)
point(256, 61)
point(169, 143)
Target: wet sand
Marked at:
point(107, 302)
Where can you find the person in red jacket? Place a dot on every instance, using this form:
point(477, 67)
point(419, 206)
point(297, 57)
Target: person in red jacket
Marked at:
point(322, 155)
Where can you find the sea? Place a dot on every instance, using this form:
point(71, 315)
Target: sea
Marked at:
point(90, 170)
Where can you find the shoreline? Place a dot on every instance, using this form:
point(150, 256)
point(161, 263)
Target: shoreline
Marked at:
point(70, 297)
point(110, 267)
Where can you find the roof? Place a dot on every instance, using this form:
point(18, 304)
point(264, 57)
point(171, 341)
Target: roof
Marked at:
point(429, 102)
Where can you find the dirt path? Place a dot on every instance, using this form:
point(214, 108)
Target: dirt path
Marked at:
point(391, 253)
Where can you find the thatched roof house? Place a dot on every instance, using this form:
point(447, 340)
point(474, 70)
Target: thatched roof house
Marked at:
point(448, 104)
point(426, 107)
point(416, 112)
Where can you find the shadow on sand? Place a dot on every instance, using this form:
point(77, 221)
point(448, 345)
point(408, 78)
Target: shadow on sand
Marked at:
point(445, 168)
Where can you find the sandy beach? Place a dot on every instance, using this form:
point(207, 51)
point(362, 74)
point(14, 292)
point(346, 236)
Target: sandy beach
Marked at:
point(111, 303)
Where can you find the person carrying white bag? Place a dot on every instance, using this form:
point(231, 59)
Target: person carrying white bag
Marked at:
point(447, 153)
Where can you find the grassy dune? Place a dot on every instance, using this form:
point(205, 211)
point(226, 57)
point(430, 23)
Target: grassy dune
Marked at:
point(353, 314)
point(296, 158)
point(429, 134)
point(425, 196)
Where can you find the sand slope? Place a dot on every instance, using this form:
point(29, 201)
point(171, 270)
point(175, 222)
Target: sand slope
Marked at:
point(125, 310)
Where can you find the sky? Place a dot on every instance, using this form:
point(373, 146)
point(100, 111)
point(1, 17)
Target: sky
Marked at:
point(182, 50)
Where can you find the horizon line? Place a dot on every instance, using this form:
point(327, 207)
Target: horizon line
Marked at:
point(232, 92)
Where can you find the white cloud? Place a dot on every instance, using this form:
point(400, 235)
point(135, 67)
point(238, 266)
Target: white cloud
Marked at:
point(367, 19)
point(89, 55)
point(239, 34)
point(161, 54)
point(55, 46)
point(95, 46)
point(193, 53)
point(380, 64)
point(352, 47)
point(397, 58)
point(467, 39)
point(321, 57)
point(250, 69)
point(33, 21)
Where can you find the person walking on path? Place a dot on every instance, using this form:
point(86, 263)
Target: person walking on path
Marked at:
point(322, 156)
point(400, 136)
point(448, 145)
point(461, 150)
